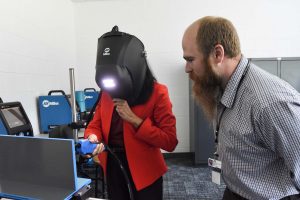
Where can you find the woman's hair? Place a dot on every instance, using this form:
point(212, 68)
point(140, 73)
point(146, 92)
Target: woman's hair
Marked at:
point(147, 88)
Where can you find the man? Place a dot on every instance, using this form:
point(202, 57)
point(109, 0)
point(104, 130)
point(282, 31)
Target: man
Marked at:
point(256, 115)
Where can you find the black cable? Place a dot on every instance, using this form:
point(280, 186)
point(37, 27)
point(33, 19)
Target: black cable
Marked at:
point(122, 169)
point(106, 148)
point(89, 119)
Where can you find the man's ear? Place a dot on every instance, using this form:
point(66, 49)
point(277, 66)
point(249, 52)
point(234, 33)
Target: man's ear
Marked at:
point(216, 58)
point(218, 54)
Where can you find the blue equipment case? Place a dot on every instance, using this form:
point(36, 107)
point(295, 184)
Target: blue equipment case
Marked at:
point(54, 110)
point(91, 96)
point(80, 102)
point(2, 129)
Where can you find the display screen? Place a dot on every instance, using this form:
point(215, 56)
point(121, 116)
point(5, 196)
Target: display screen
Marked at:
point(13, 117)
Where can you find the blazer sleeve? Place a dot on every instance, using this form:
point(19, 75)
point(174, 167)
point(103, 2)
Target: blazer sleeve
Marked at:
point(94, 126)
point(159, 130)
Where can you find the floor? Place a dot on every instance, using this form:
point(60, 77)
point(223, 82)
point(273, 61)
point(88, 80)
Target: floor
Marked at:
point(185, 181)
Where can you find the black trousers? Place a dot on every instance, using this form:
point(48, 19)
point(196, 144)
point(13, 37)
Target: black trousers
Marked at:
point(229, 195)
point(117, 185)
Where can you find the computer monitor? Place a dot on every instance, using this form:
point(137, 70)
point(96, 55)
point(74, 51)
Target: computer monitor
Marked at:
point(14, 119)
point(38, 168)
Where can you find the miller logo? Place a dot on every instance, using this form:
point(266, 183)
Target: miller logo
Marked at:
point(47, 103)
point(106, 52)
point(88, 97)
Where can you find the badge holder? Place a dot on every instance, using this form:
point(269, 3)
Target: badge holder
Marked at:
point(215, 166)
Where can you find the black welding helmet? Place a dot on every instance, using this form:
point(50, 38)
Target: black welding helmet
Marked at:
point(121, 65)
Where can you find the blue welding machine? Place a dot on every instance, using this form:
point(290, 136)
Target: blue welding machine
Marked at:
point(91, 96)
point(54, 110)
point(2, 129)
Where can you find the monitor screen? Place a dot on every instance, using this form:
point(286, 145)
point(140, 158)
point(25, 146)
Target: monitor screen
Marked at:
point(14, 117)
point(35, 168)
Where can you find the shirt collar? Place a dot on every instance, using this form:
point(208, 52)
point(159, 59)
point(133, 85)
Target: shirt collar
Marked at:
point(230, 91)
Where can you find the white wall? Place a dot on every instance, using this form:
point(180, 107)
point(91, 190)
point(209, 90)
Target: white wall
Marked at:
point(37, 46)
point(41, 39)
point(267, 28)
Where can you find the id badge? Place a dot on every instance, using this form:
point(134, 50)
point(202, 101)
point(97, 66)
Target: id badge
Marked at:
point(215, 166)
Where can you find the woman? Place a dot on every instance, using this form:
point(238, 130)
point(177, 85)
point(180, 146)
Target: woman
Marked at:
point(135, 133)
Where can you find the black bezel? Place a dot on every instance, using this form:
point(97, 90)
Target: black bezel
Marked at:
point(16, 130)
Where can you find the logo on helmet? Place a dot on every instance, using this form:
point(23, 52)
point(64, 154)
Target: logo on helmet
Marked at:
point(106, 52)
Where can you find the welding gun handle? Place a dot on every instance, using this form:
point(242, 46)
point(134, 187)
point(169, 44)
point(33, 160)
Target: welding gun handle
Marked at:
point(85, 147)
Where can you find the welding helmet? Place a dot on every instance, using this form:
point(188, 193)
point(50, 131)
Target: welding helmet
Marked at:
point(121, 65)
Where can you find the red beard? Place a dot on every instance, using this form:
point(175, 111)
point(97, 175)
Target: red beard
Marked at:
point(207, 89)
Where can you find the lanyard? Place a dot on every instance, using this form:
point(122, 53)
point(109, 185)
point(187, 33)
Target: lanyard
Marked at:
point(219, 119)
point(218, 126)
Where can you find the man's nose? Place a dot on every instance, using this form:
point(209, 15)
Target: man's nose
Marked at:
point(188, 69)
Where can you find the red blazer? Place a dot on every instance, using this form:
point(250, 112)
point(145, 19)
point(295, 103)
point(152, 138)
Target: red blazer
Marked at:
point(158, 131)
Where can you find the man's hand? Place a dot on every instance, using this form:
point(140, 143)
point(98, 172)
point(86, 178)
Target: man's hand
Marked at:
point(126, 113)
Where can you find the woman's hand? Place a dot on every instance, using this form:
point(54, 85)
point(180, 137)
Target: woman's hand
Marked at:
point(99, 148)
point(126, 113)
point(93, 138)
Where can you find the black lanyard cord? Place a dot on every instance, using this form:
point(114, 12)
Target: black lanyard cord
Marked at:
point(218, 126)
point(219, 119)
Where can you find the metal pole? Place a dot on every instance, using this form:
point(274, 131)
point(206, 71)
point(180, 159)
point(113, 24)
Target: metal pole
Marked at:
point(279, 67)
point(73, 103)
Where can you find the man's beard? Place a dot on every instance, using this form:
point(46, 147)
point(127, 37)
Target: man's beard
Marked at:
point(207, 90)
